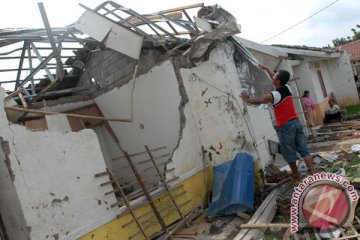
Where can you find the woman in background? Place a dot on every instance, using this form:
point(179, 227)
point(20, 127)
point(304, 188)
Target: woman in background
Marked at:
point(309, 108)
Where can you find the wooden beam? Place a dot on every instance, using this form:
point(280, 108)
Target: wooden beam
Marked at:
point(182, 8)
point(22, 99)
point(66, 114)
point(137, 21)
point(264, 213)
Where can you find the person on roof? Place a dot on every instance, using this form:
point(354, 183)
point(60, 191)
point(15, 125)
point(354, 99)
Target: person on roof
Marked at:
point(290, 131)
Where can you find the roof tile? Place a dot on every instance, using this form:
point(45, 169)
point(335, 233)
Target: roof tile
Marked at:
point(353, 49)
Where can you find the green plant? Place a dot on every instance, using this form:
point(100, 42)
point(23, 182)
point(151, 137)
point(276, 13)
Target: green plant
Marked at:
point(353, 110)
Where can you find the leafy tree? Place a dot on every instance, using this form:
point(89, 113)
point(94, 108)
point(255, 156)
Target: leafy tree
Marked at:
point(348, 39)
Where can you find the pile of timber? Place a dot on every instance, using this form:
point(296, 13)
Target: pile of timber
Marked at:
point(337, 131)
point(264, 214)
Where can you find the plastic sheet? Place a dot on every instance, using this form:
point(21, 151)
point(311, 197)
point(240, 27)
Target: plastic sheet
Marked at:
point(233, 188)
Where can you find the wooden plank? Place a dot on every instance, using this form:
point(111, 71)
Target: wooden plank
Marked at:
point(147, 194)
point(22, 99)
point(349, 237)
point(12, 94)
point(141, 229)
point(67, 114)
point(182, 8)
point(265, 225)
point(264, 213)
point(76, 124)
point(164, 181)
point(243, 216)
point(36, 124)
point(136, 21)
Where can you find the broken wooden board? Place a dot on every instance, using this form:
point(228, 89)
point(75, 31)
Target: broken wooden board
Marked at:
point(264, 214)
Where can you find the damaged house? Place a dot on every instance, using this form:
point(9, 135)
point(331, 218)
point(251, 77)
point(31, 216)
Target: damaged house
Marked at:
point(113, 123)
point(326, 73)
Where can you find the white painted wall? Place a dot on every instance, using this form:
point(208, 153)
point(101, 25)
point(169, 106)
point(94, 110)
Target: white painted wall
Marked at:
point(337, 76)
point(58, 123)
point(54, 178)
point(317, 95)
point(342, 81)
point(306, 81)
point(10, 207)
point(156, 117)
point(187, 158)
point(263, 131)
point(213, 89)
point(55, 171)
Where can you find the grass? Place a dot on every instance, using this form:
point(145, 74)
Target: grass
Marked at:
point(350, 164)
point(353, 110)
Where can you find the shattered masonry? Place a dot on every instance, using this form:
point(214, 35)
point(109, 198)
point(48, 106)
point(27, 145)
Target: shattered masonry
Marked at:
point(149, 103)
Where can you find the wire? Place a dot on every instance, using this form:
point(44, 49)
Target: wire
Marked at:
point(300, 22)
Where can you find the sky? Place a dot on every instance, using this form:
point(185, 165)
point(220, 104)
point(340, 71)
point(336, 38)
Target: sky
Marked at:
point(259, 19)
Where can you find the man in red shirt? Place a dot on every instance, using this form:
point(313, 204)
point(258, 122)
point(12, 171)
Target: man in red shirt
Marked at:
point(289, 128)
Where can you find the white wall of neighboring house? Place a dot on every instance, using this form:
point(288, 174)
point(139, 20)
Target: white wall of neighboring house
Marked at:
point(305, 80)
point(337, 78)
point(342, 81)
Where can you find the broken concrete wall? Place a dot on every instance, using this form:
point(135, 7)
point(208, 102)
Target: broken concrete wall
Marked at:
point(54, 179)
point(154, 100)
point(209, 118)
point(108, 66)
point(213, 89)
point(213, 118)
point(173, 107)
point(10, 206)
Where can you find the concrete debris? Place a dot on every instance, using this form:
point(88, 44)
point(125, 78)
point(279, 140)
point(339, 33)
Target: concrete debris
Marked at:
point(274, 175)
point(221, 25)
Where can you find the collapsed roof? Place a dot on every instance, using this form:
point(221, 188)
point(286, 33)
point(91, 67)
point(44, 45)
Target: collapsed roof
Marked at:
point(42, 51)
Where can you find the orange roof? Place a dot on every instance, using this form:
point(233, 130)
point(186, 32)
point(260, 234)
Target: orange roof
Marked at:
point(353, 49)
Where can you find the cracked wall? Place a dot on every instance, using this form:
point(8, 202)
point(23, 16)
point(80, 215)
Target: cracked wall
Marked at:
point(152, 100)
point(214, 115)
point(177, 110)
point(185, 109)
point(10, 207)
point(54, 179)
